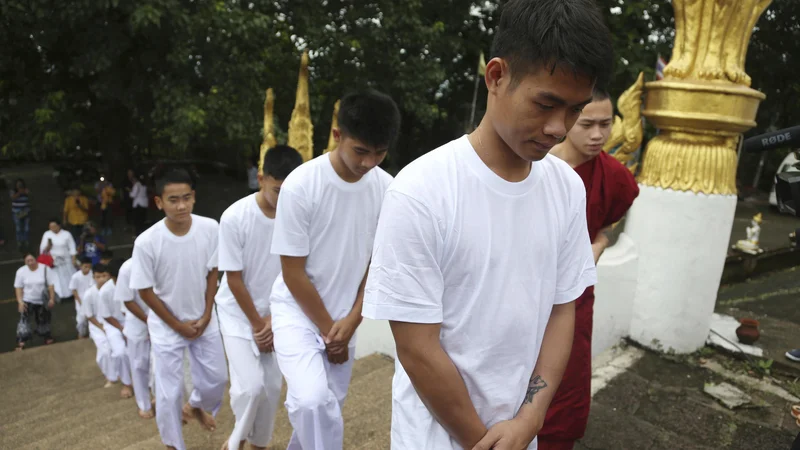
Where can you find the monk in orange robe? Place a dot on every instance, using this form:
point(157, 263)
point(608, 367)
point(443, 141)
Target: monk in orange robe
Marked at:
point(610, 191)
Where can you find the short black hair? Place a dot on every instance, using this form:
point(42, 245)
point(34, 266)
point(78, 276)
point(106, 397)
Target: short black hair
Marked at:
point(174, 176)
point(106, 254)
point(600, 94)
point(113, 267)
point(280, 161)
point(55, 220)
point(100, 268)
point(370, 116)
point(533, 34)
point(85, 260)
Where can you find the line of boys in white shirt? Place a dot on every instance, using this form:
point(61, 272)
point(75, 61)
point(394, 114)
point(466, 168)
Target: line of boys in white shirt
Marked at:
point(324, 227)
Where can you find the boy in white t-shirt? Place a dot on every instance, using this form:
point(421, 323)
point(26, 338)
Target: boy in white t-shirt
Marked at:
point(482, 244)
point(324, 227)
point(138, 340)
point(245, 235)
point(78, 284)
point(90, 308)
point(175, 272)
point(111, 311)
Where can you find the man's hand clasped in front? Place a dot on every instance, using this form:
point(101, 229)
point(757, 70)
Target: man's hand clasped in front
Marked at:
point(338, 338)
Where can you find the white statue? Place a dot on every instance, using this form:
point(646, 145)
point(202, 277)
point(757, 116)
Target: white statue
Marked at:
point(750, 245)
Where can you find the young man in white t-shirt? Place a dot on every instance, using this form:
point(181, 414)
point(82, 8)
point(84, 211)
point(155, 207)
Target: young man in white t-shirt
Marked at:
point(324, 227)
point(78, 284)
point(137, 337)
point(111, 312)
point(482, 244)
point(97, 326)
point(175, 272)
point(245, 235)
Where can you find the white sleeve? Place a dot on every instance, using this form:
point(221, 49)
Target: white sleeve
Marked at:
point(575, 270)
point(231, 245)
point(73, 282)
point(292, 221)
point(19, 280)
point(122, 291)
point(214, 243)
point(134, 190)
point(143, 270)
point(71, 244)
point(43, 244)
point(50, 275)
point(405, 282)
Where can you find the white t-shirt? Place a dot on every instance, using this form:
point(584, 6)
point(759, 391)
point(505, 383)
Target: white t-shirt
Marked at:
point(91, 299)
point(245, 235)
point(32, 283)
point(134, 328)
point(107, 306)
point(176, 267)
point(80, 283)
point(487, 258)
point(139, 195)
point(63, 246)
point(332, 222)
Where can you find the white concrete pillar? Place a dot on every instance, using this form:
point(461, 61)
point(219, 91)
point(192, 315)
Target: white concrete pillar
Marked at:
point(682, 240)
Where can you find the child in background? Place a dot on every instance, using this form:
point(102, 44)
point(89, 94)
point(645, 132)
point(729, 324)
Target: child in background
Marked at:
point(78, 284)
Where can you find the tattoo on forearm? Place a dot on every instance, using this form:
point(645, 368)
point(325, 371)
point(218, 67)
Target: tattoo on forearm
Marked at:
point(536, 384)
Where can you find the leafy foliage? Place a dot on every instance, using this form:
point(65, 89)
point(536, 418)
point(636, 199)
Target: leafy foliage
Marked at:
point(186, 78)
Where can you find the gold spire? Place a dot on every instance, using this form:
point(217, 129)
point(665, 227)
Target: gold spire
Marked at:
point(334, 125)
point(301, 130)
point(269, 135)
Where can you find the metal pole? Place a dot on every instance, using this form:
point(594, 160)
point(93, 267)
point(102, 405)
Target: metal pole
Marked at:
point(759, 169)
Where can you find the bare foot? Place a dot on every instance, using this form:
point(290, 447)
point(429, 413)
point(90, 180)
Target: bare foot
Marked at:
point(126, 392)
point(205, 419)
point(109, 384)
point(146, 414)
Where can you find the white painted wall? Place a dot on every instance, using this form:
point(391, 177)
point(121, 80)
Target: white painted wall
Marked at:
point(617, 271)
point(682, 239)
point(374, 336)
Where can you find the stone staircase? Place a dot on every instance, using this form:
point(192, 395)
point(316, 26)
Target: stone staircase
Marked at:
point(53, 398)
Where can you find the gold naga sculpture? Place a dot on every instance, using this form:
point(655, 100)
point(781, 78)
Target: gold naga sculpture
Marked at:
point(627, 133)
point(704, 103)
point(301, 130)
point(269, 135)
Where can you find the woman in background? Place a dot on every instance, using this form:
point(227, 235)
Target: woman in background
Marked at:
point(33, 285)
point(60, 245)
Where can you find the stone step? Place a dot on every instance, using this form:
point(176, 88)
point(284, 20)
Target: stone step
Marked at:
point(54, 398)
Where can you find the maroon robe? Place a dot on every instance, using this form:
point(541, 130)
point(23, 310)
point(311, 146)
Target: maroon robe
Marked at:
point(610, 191)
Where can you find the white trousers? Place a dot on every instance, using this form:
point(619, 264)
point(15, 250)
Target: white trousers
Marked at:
point(119, 354)
point(103, 358)
point(139, 357)
point(209, 377)
point(316, 389)
point(255, 389)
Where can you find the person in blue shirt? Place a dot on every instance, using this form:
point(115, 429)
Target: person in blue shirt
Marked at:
point(91, 243)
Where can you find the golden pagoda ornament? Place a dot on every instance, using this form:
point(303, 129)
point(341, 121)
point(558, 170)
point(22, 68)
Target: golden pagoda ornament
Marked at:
point(269, 140)
point(334, 125)
point(301, 130)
